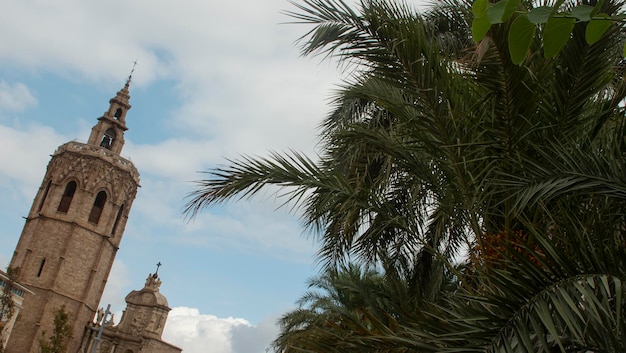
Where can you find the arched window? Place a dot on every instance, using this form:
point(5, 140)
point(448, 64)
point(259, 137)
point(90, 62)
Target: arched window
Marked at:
point(98, 205)
point(68, 195)
point(118, 113)
point(117, 219)
point(108, 138)
point(43, 198)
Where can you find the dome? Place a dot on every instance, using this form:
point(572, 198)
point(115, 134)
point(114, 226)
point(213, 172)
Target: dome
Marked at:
point(149, 295)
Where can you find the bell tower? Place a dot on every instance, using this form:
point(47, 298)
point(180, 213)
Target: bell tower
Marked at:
point(109, 132)
point(73, 230)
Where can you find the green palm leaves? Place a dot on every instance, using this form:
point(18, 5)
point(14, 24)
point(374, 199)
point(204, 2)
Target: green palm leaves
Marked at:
point(437, 147)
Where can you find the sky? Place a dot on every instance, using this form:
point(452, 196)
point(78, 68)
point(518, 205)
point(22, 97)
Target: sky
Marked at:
point(214, 80)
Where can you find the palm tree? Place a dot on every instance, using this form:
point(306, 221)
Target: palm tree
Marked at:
point(338, 308)
point(383, 183)
point(353, 309)
point(437, 144)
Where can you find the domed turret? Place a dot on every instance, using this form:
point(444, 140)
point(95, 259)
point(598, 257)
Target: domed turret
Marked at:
point(149, 295)
point(141, 325)
point(146, 309)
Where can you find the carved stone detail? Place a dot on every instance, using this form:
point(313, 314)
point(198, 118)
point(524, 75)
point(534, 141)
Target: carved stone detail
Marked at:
point(94, 172)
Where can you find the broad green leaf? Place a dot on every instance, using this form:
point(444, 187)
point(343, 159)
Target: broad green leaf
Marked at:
point(597, 8)
point(480, 27)
point(511, 6)
point(496, 12)
point(540, 14)
point(597, 27)
point(556, 34)
point(480, 7)
point(583, 12)
point(520, 36)
point(480, 24)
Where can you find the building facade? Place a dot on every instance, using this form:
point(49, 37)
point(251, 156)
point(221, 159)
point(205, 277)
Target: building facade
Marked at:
point(73, 230)
point(140, 327)
point(7, 322)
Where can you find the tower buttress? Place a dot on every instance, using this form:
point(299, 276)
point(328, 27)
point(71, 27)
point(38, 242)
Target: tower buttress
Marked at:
point(74, 229)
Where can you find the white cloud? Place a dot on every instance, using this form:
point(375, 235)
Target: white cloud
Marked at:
point(255, 227)
point(177, 159)
point(251, 233)
point(238, 74)
point(71, 36)
point(25, 153)
point(251, 227)
point(15, 97)
point(195, 332)
point(254, 339)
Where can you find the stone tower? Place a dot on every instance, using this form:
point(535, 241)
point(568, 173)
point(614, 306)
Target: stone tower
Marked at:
point(74, 229)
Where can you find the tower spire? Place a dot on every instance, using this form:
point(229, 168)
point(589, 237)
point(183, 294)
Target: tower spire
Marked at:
point(130, 77)
point(109, 131)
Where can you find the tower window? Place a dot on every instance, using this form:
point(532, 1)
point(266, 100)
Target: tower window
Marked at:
point(43, 262)
point(117, 219)
point(43, 198)
point(108, 138)
point(98, 205)
point(68, 195)
point(118, 113)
